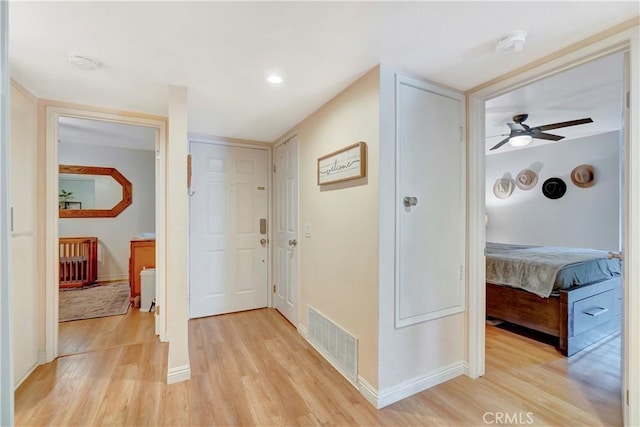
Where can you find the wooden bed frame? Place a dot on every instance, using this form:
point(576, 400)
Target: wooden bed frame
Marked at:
point(78, 261)
point(578, 317)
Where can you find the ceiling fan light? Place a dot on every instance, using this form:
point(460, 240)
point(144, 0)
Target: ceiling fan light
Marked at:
point(520, 140)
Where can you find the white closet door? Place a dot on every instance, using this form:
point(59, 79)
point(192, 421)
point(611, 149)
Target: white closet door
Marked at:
point(430, 214)
point(286, 231)
point(23, 167)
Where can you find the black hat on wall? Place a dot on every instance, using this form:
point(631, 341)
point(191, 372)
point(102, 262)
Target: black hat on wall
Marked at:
point(554, 188)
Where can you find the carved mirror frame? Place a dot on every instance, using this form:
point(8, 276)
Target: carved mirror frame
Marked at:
point(98, 213)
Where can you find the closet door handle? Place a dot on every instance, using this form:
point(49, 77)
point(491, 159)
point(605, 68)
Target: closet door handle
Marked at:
point(410, 201)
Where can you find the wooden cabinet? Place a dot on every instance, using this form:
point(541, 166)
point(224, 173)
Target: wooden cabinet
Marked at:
point(142, 254)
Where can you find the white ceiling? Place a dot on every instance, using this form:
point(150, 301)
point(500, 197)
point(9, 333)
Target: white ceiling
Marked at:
point(96, 132)
point(223, 51)
point(593, 90)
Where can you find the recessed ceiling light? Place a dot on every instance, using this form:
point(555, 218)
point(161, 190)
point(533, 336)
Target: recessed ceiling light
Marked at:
point(274, 79)
point(83, 62)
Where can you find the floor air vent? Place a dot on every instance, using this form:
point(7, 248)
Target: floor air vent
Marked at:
point(336, 344)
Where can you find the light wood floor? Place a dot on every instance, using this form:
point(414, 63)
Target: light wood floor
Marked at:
point(253, 368)
point(81, 336)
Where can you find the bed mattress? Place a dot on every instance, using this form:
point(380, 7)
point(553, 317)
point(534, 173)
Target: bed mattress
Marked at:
point(546, 269)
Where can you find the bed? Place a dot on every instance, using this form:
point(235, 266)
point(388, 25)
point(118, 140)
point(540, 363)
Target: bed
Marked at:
point(573, 294)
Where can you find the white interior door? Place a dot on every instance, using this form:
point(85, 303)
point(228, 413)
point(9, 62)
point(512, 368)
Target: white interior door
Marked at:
point(286, 233)
point(228, 217)
point(430, 204)
point(23, 189)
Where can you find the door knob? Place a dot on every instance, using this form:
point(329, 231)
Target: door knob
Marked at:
point(293, 242)
point(263, 242)
point(410, 201)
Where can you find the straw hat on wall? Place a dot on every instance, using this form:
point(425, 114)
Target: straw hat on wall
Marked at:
point(583, 176)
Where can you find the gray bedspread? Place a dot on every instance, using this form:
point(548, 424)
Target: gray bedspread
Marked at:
point(542, 269)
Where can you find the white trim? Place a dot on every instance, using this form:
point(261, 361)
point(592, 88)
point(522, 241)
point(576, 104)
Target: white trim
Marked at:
point(161, 237)
point(53, 113)
point(630, 336)
point(302, 330)
point(216, 141)
point(369, 392)
point(6, 316)
point(51, 236)
point(631, 311)
point(476, 239)
point(25, 376)
point(178, 374)
point(41, 358)
point(418, 384)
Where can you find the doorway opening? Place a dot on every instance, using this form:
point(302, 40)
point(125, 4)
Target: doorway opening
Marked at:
point(554, 199)
point(106, 190)
point(59, 118)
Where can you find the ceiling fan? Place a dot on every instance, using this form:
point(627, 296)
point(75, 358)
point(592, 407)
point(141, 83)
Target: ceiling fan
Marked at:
point(522, 134)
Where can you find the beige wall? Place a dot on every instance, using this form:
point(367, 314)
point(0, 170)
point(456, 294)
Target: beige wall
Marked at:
point(23, 118)
point(339, 263)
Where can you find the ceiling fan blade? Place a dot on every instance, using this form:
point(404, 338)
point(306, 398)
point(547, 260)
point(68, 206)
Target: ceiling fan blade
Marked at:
point(516, 126)
point(562, 124)
point(500, 144)
point(547, 136)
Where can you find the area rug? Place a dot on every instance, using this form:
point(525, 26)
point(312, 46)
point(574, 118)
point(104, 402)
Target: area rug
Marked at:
point(95, 301)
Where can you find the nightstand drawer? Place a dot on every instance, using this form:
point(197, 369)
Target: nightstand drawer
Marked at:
point(593, 311)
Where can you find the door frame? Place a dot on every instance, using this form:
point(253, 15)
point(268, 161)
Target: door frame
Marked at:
point(51, 111)
point(242, 144)
point(282, 141)
point(621, 38)
point(6, 317)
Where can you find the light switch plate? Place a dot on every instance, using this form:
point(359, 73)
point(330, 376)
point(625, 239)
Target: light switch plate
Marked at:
point(307, 230)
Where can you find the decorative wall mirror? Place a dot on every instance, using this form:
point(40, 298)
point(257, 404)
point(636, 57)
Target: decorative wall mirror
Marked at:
point(92, 192)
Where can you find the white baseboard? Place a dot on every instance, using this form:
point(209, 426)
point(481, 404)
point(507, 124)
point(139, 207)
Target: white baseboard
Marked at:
point(415, 385)
point(25, 376)
point(179, 373)
point(42, 358)
point(302, 330)
point(400, 391)
point(368, 391)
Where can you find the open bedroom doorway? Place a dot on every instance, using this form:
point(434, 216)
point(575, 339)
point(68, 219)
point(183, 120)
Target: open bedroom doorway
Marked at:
point(106, 190)
point(92, 125)
point(553, 192)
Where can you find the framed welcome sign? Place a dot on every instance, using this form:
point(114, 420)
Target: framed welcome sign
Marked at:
point(342, 165)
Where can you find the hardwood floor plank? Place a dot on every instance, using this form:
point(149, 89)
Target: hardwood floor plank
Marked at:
point(253, 368)
point(79, 336)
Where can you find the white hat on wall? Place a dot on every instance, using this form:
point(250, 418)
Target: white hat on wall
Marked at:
point(503, 188)
point(526, 179)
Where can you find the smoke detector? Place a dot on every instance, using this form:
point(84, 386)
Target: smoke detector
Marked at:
point(514, 41)
point(83, 62)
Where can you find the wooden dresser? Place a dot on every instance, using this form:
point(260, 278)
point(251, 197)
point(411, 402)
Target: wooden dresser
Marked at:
point(142, 254)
